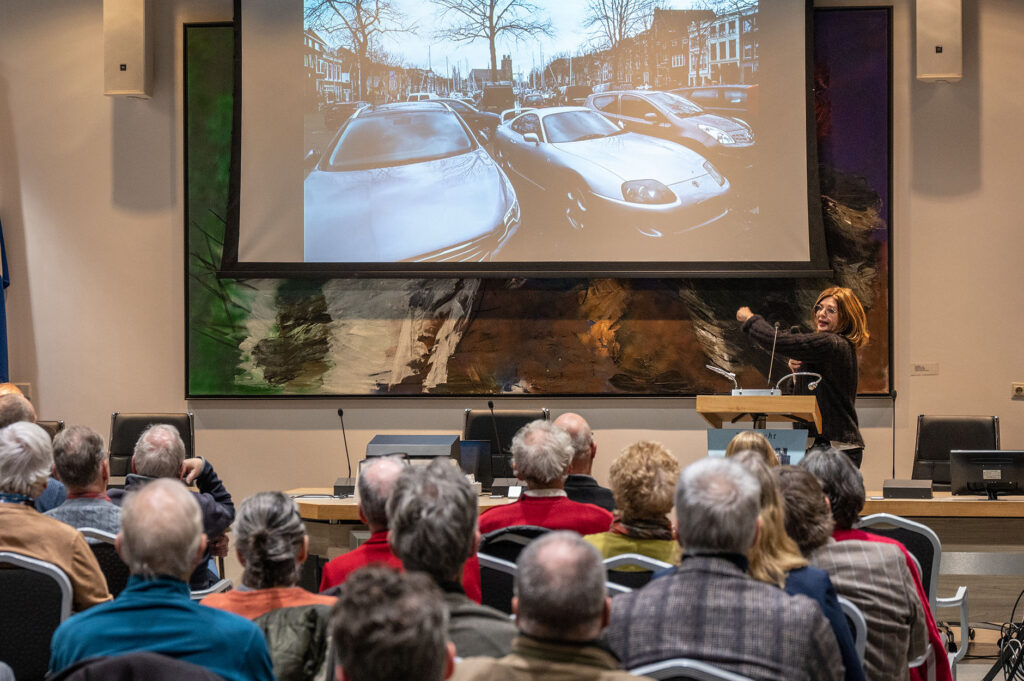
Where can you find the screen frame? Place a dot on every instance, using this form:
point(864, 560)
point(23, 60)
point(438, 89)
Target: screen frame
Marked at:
point(817, 264)
point(964, 462)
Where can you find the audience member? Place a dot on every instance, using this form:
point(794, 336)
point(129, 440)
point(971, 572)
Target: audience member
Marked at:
point(161, 541)
point(433, 515)
point(80, 462)
point(376, 480)
point(844, 487)
point(25, 461)
point(776, 559)
point(874, 577)
point(271, 545)
point(160, 453)
point(709, 609)
point(581, 485)
point(755, 442)
point(541, 452)
point(389, 625)
point(643, 479)
point(14, 408)
point(561, 607)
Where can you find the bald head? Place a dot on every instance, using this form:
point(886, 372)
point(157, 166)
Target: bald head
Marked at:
point(583, 446)
point(161, 530)
point(376, 481)
point(14, 408)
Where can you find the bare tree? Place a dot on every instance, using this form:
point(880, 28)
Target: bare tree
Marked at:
point(360, 23)
point(473, 20)
point(612, 21)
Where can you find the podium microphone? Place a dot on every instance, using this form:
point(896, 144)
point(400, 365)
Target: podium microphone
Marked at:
point(345, 487)
point(497, 439)
point(771, 362)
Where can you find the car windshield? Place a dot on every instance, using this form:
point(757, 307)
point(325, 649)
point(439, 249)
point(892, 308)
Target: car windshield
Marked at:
point(398, 138)
point(680, 106)
point(575, 126)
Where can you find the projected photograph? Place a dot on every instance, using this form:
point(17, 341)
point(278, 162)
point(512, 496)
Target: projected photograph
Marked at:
point(480, 131)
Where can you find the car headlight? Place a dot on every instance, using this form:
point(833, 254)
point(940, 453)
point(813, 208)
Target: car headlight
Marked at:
point(713, 172)
point(647, 191)
point(719, 135)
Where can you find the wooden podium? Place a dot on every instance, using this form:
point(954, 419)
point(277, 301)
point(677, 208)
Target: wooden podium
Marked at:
point(719, 409)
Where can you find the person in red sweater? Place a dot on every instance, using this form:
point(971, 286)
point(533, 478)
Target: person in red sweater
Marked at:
point(844, 486)
point(541, 453)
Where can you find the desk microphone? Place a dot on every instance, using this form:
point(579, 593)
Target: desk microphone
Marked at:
point(497, 439)
point(771, 362)
point(345, 487)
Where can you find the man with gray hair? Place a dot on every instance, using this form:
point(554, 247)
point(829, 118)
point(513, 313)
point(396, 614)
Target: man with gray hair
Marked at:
point(541, 452)
point(161, 541)
point(561, 607)
point(160, 453)
point(433, 514)
point(15, 408)
point(581, 485)
point(709, 609)
point(80, 462)
point(25, 461)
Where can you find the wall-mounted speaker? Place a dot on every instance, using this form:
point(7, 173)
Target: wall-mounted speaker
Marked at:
point(127, 51)
point(940, 40)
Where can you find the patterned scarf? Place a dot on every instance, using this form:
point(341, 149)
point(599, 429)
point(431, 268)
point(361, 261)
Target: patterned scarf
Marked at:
point(642, 528)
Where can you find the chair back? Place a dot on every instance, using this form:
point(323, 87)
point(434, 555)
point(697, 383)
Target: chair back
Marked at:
point(499, 427)
point(634, 579)
point(858, 626)
point(51, 427)
point(144, 666)
point(683, 669)
point(35, 597)
point(920, 540)
point(499, 550)
point(937, 435)
point(125, 430)
point(508, 542)
point(114, 569)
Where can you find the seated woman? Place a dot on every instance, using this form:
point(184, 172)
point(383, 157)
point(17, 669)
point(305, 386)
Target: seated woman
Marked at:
point(755, 442)
point(271, 545)
point(776, 559)
point(643, 481)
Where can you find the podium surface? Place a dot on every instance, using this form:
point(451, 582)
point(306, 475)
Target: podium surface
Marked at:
point(720, 409)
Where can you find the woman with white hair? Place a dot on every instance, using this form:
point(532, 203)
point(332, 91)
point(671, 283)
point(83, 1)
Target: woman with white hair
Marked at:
point(26, 457)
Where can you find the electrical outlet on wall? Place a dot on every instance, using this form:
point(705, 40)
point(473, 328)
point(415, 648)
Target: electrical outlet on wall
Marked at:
point(1017, 391)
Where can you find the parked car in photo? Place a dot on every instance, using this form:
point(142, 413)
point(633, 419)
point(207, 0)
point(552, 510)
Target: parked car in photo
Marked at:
point(671, 117)
point(336, 114)
point(606, 179)
point(575, 95)
point(738, 101)
point(497, 98)
point(407, 182)
point(534, 99)
point(421, 96)
point(480, 122)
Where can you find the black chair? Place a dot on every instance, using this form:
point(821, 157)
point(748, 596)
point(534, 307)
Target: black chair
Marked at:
point(683, 669)
point(126, 428)
point(144, 666)
point(634, 579)
point(51, 427)
point(113, 568)
point(937, 435)
point(498, 552)
point(35, 597)
point(499, 427)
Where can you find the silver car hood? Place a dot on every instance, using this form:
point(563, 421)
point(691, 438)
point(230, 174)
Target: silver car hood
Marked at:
point(397, 213)
point(714, 120)
point(631, 156)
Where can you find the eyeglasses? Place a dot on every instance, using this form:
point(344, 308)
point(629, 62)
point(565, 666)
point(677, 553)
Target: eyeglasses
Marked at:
point(829, 309)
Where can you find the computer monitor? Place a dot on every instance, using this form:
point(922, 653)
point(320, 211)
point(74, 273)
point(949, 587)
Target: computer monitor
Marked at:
point(986, 471)
point(475, 458)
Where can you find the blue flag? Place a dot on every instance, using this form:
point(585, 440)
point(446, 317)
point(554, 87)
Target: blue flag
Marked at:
point(5, 278)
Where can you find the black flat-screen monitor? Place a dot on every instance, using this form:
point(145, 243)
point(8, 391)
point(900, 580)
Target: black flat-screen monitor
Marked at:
point(475, 458)
point(987, 471)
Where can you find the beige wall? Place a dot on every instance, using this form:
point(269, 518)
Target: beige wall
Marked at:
point(91, 203)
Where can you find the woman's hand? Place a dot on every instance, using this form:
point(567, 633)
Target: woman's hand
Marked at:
point(743, 314)
point(794, 365)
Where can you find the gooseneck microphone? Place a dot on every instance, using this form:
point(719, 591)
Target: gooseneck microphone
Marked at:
point(497, 439)
point(771, 362)
point(345, 487)
point(344, 438)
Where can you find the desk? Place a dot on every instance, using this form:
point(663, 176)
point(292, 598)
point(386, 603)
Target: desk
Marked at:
point(982, 546)
point(318, 504)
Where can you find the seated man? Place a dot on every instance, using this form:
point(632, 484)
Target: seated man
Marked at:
point(25, 461)
point(160, 453)
point(709, 609)
point(376, 480)
point(14, 407)
point(581, 485)
point(162, 541)
point(844, 487)
point(80, 462)
point(560, 606)
point(541, 452)
point(389, 625)
point(873, 576)
point(433, 513)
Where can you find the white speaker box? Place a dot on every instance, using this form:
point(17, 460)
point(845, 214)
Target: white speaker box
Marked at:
point(127, 55)
point(940, 40)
